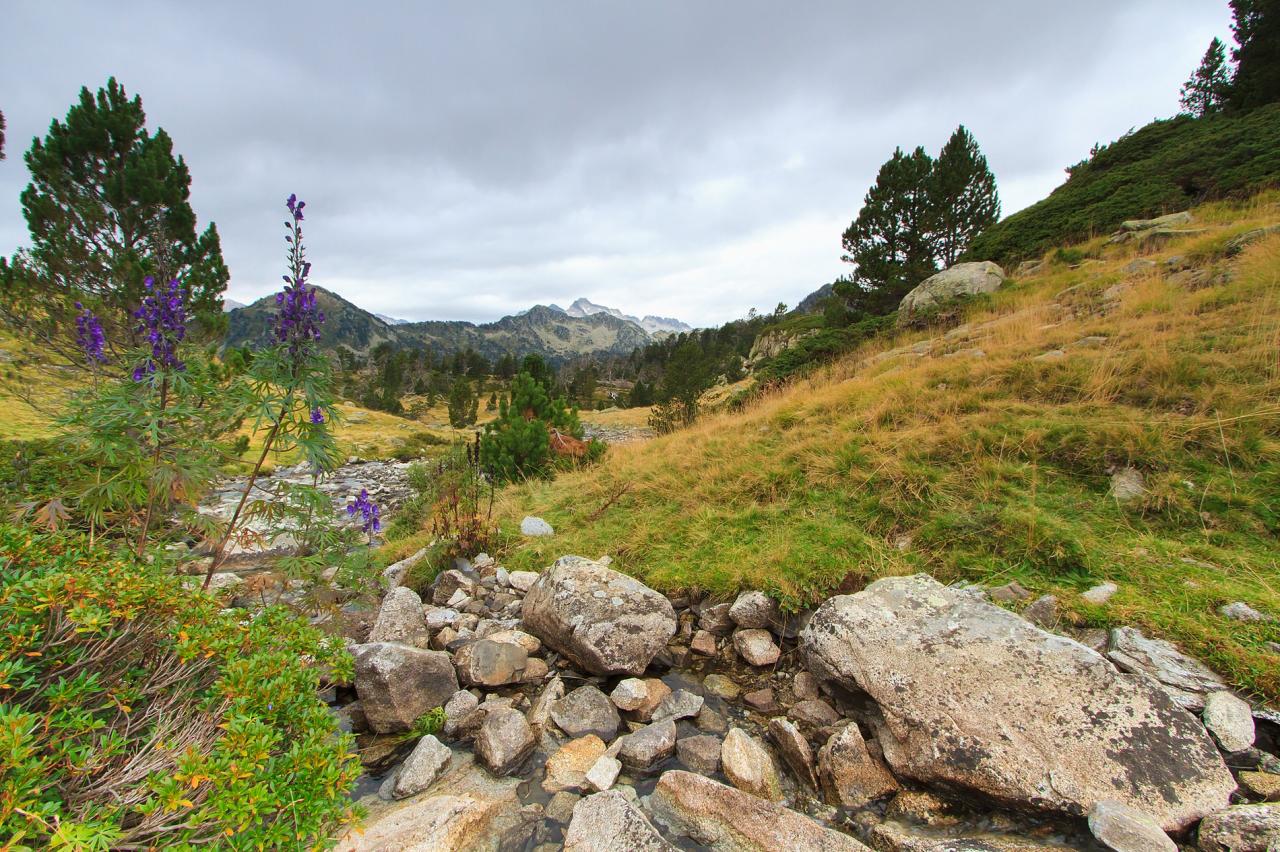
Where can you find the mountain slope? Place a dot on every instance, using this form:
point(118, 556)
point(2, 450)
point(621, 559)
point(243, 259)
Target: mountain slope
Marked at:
point(985, 452)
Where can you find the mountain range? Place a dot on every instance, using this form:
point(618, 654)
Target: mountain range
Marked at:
point(555, 333)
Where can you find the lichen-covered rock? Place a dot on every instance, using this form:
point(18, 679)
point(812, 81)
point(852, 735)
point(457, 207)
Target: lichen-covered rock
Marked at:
point(747, 764)
point(850, 775)
point(400, 619)
point(1230, 720)
point(755, 610)
point(756, 647)
point(584, 711)
point(606, 622)
point(489, 663)
point(974, 696)
point(420, 769)
point(398, 683)
point(606, 822)
point(504, 740)
point(1244, 828)
point(715, 619)
point(963, 279)
point(1185, 679)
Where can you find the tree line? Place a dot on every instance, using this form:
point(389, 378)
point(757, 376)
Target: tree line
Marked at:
point(1251, 77)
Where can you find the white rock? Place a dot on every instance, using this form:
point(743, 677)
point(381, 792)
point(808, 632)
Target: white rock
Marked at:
point(522, 580)
point(1127, 829)
point(630, 693)
point(1230, 720)
point(1100, 593)
point(421, 768)
point(603, 773)
point(1240, 611)
point(535, 527)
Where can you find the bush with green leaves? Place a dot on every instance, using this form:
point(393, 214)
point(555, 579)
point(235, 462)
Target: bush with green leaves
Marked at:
point(517, 445)
point(136, 713)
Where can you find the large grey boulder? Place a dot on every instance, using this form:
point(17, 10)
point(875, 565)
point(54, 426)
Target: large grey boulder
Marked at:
point(607, 822)
point(963, 279)
point(974, 696)
point(606, 622)
point(1244, 828)
point(728, 820)
point(398, 683)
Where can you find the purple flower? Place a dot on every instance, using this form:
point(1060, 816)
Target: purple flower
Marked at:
point(367, 510)
point(162, 319)
point(89, 336)
point(317, 416)
point(298, 320)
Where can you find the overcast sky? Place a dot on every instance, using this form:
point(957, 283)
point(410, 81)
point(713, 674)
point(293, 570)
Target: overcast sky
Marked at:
point(465, 160)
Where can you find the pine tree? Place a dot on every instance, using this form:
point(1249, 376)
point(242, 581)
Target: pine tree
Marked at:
point(1256, 27)
point(106, 207)
point(518, 444)
point(964, 198)
point(890, 240)
point(1210, 86)
point(463, 404)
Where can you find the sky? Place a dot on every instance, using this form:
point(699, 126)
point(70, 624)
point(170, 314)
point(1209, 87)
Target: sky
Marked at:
point(686, 158)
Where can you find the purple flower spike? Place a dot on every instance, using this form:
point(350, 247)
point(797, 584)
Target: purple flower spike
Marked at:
point(370, 520)
point(89, 336)
point(317, 416)
point(162, 320)
point(297, 322)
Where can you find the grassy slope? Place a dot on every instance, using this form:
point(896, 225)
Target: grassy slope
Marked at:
point(994, 467)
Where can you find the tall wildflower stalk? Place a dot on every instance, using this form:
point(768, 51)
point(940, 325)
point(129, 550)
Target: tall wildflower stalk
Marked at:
point(291, 381)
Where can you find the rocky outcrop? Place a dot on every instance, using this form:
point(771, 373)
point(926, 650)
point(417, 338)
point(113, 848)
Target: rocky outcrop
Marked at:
point(606, 622)
point(963, 279)
point(974, 696)
point(398, 683)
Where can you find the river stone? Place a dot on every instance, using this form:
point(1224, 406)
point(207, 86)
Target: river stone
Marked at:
point(458, 708)
point(584, 711)
point(489, 663)
point(1244, 828)
point(724, 819)
point(400, 619)
point(540, 712)
point(794, 749)
point(850, 775)
point(646, 748)
point(420, 769)
point(974, 696)
point(747, 764)
point(603, 773)
point(681, 704)
point(1186, 680)
point(535, 527)
point(721, 686)
point(522, 580)
point(504, 740)
point(754, 610)
point(700, 754)
point(715, 619)
point(762, 700)
point(607, 822)
point(962, 279)
point(606, 622)
point(704, 643)
point(398, 683)
point(756, 647)
point(567, 768)
point(1124, 829)
point(1230, 720)
point(630, 694)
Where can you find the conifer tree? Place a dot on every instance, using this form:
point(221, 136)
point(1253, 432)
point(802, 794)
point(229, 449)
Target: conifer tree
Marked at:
point(464, 404)
point(964, 198)
point(1210, 86)
point(518, 444)
point(1256, 26)
point(108, 206)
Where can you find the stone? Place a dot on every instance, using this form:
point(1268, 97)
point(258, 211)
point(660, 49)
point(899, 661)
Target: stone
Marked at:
point(1139, 266)
point(459, 707)
point(1093, 638)
point(603, 773)
point(439, 617)
point(850, 775)
point(1263, 785)
point(961, 280)
point(224, 581)
point(681, 704)
point(1100, 594)
point(748, 766)
point(489, 663)
point(604, 621)
point(646, 748)
point(1167, 221)
point(1243, 828)
point(1124, 829)
point(1043, 612)
point(398, 683)
point(540, 712)
point(710, 721)
point(608, 821)
point(535, 671)
point(1127, 485)
point(813, 712)
point(700, 753)
point(560, 808)
point(761, 700)
point(955, 676)
point(1240, 611)
point(1186, 680)
point(630, 694)
point(504, 741)
point(721, 686)
point(584, 711)
point(1011, 592)
point(704, 643)
point(755, 610)
point(522, 580)
point(722, 818)
point(567, 768)
point(756, 647)
point(393, 575)
point(535, 527)
point(529, 642)
point(923, 808)
point(655, 693)
point(804, 686)
point(451, 588)
point(794, 749)
point(1230, 721)
point(420, 769)
point(715, 619)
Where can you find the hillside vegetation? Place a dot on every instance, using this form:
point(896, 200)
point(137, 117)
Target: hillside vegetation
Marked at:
point(984, 452)
point(1165, 166)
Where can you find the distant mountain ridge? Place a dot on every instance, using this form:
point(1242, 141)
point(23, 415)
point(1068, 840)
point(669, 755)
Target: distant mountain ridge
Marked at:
point(584, 307)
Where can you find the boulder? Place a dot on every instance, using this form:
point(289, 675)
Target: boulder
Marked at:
point(504, 740)
point(700, 753)
point(420, 769)
point(755, 610)
point(722, 818)
point(850, 775)
point(1244, 828)
point(606, 622)
point(398, 683)
point(567, 768)
point(584, 711)
point(1186, 680)
point(489, 663)
point(459, 707)
point(976, 697)
point(1230, 720)
point(963, 279)
point(646, 748)
point(535, 527)
point(704, 643)
point(450, 587)
point(756, 647)
point(748, 765)
point(715, 619)
point(1123, 829)
point(609, 821)
point(522, 580)
point(681, 704)
point(794, 749)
